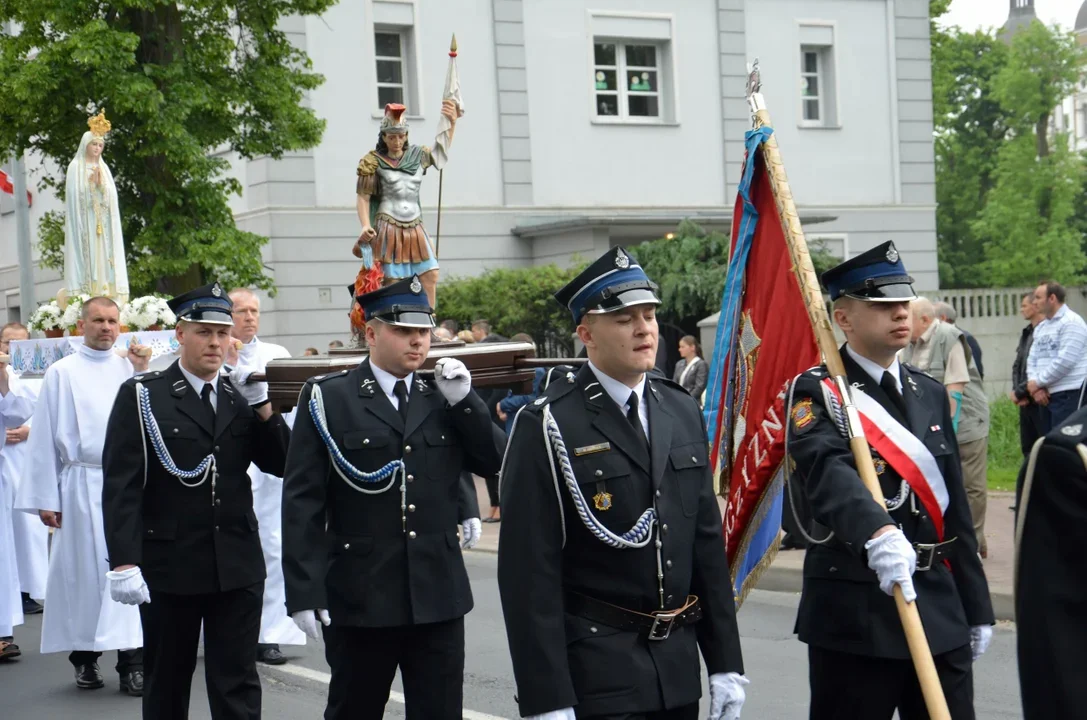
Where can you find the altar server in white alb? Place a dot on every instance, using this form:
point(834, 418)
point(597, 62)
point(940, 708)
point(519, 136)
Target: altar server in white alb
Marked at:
point(15, 409)
point(31, 536)
point(276, 626)
point(63, 486)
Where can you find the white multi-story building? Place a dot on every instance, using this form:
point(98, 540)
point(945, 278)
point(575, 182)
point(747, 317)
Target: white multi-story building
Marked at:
point(590, 123)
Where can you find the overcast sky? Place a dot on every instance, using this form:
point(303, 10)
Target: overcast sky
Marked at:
point(973, 14)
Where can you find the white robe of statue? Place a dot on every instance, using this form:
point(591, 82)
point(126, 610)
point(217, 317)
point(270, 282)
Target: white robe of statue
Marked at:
point(94, 251)
point(65, 475)
point(31, 535)
point(15, 409)
point(276, 626)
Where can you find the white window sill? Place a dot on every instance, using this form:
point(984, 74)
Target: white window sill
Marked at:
point(806, 126)
point(636, 123)
point(379, 114)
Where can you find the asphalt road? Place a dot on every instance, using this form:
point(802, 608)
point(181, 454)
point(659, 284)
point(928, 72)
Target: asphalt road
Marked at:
point(41, 687)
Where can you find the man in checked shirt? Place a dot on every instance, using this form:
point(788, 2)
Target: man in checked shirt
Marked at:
point(1057, 364)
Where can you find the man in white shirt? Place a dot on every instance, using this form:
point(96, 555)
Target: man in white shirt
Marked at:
point(64, 488)
point(276, 627)
point(1057, 363)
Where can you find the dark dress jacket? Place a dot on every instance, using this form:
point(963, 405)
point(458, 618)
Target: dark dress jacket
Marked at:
point(560, 659)
point(842, 607)
point(187, 540)
point(369, 562)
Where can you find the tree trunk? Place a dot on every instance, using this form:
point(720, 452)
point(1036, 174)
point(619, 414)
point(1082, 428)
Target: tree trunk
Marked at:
point(1041, 131)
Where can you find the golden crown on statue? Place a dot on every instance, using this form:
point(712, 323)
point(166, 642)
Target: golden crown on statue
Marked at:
point(99, 125)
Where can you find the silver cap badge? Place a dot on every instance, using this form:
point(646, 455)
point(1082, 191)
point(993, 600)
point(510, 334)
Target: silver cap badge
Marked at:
point(622, 261)
point(892, 255)
point(216, 290)
point(416, 286)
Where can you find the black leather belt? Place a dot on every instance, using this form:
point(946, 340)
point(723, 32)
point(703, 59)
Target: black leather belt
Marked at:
point(931, 554)
point(656, 626)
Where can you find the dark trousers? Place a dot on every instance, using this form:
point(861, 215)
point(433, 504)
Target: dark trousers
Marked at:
point(492, 490)
point(1061, 405)
point(171, 633)
point(689, 712)
point(127, 660)
point(1029, 427)
point(364, 661)
point(854, 687)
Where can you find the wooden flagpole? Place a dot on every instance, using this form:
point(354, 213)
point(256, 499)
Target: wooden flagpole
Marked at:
point(828, 345)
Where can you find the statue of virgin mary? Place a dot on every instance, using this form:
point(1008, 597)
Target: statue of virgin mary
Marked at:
point(94, 253)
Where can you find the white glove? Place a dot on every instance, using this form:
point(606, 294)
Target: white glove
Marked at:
point(471, 530)
point(306, 620)
point(893, 558)
point(727, 695)
point(980, 637)
point(128, 587)
point(453, 379)
point(254, 393)
point(565, 714)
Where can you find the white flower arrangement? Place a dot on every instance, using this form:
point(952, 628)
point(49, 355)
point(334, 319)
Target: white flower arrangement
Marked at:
point(143, 312)
point(73, 311)
point(47, 317)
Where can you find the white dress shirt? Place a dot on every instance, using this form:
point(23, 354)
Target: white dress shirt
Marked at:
point(874, 369)
point(388, 381)
point(199, 383)
point(620, 393)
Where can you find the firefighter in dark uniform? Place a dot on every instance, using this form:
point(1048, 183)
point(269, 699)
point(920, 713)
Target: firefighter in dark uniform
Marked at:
point(1050, 577)
point(612, 565)
point(178, 510)
point(923, 540)
point(371, 502)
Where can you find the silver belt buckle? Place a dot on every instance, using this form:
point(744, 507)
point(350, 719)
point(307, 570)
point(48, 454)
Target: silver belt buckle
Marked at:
point(664, 620)
point(928, 548)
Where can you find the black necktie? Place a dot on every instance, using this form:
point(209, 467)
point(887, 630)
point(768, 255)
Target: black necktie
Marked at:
point(634, 420)
point(205, 398)
point(887, 382)
point(400, 390)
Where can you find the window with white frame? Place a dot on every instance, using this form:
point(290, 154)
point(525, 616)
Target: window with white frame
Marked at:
point(811, 82)
point(818, 81)
point(627, 80)
point(391, 56)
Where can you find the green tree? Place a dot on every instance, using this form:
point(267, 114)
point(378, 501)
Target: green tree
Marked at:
point(970, 128)
point(690, 268)
point(1029, 221)
point(180, 82)
point(514, 301)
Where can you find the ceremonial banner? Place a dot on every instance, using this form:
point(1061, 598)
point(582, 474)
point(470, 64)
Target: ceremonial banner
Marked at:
point(764, 339)
point(33, 357)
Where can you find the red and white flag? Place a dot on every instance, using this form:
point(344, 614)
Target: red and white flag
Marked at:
point(7, 186)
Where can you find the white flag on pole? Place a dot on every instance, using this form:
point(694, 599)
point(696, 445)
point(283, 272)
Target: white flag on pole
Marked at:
point(444, 138)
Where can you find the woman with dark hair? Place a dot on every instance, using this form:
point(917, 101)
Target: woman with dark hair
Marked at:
point(691, 371)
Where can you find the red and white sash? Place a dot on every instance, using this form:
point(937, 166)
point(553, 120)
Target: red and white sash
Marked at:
point(904, 452)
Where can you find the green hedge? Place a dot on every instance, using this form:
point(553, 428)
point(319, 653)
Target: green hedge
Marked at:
point(1005, 454)
point(514, 301)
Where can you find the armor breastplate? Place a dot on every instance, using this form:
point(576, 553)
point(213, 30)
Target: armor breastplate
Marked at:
point(400, 194)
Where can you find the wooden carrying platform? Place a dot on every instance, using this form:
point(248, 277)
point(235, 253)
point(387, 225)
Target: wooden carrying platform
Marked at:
point(493, 365)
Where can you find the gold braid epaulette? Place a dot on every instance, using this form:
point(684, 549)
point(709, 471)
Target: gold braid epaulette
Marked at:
point(368, 164)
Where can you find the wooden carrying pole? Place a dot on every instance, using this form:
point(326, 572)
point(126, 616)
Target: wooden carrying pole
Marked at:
point(828, 345)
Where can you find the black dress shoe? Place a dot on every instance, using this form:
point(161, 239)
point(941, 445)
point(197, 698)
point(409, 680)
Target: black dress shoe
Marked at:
point(270, 655)
point(31, 606)
point(132, 683)
point(88, 677)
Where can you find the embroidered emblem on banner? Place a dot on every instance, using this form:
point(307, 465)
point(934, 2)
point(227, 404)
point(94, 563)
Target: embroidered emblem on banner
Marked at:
point(602, 501)
point(881, 465)
point(590, 449)
point(803, 415)
point(1071, 430)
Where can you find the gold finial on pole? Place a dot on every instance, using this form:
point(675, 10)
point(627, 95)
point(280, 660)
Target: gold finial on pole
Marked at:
point(453, 46)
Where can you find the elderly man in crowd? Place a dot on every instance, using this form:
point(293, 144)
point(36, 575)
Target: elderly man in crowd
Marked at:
point(941, 350)
point(946, 313)
point(1057, 363)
